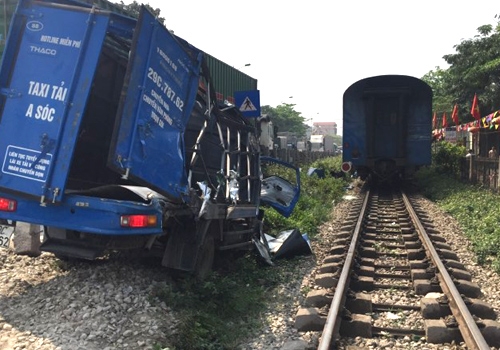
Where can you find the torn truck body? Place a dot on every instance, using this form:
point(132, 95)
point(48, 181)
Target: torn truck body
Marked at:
point(111, 138)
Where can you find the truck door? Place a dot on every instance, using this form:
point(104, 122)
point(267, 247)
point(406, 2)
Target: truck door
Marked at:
point(159, 95)
point(280, 187)
point(45, 77)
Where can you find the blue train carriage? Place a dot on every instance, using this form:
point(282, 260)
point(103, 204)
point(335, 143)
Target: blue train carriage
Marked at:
point(387, 124)
point(108, 141)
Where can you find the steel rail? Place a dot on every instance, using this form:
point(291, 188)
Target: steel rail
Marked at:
point(468, 327)
point(341, 288)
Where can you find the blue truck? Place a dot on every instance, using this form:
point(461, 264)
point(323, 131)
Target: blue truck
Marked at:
point(111, 138)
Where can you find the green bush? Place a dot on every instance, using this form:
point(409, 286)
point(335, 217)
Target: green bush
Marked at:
point(473, 207)
point(446, 157)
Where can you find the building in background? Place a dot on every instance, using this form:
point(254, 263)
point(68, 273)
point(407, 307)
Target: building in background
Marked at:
point(324, 128)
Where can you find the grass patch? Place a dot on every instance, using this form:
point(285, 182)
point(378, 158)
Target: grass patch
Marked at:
point(229, 307)
point(221, 311)
point(474, 207)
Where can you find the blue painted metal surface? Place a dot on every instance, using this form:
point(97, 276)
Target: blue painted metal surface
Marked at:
point(86, 214)
point(45, 90)
point(354, 127)
point(149, 146)
point(387, 117)
point(55, 57)
point(271, 196)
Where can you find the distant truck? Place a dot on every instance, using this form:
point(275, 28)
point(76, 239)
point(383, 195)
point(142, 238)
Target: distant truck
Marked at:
point(266, 134)
point(282, 142)
point(111, 139)
point(323, 143)
point(301, 146)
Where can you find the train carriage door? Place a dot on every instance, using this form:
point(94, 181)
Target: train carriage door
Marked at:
point(388, 124)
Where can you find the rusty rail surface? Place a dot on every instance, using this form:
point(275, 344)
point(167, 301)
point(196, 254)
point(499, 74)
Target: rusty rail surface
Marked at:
point(466, 323)
point(332, 322)
point(468, 327)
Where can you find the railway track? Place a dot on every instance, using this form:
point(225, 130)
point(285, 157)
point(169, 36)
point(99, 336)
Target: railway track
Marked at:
point(391, 274)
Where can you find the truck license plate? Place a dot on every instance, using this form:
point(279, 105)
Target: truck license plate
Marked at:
point(6, 232)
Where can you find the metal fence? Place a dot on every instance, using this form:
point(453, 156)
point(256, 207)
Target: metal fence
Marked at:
point(481, 170)
point(475, 169)
point(299, 158)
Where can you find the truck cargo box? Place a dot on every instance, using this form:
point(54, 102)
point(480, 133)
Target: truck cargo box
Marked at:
point(111, 137)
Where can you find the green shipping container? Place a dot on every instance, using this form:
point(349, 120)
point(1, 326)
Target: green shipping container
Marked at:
point(226, 79)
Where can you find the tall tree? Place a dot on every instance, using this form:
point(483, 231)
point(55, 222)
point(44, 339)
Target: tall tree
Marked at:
point(286, 118)
point(474, 68)
point(437, 80)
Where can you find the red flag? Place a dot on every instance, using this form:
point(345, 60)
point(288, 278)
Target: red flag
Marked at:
point(434, 120)
point(454, 114)
point(475, 109)
point(445, 122)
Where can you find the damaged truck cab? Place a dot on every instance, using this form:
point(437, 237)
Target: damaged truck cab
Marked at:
point(111, 138)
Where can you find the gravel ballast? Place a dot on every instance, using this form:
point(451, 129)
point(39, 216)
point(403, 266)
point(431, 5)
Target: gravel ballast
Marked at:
point(49, 304)
point(284, 336)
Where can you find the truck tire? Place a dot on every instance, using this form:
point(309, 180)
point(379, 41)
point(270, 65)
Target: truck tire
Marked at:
point(205, 259)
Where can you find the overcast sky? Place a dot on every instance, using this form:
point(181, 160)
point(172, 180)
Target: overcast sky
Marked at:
point(314, 50)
